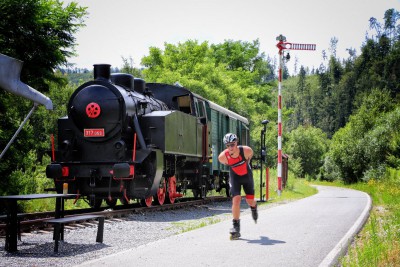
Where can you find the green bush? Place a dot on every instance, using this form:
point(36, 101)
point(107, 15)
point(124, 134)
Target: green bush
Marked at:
point(307, 146)
point(368, 143)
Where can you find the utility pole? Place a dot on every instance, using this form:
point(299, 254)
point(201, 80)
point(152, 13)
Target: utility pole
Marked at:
point(283, 45)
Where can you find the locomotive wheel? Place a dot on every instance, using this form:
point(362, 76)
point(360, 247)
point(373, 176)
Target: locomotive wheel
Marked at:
point(171, 190)
point(146, 202)
point(161, 193)
point(111, 203)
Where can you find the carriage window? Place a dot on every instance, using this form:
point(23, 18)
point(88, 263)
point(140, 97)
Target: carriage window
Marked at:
point(200, 108)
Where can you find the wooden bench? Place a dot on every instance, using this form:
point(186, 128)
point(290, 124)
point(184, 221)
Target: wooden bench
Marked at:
point(59, 227)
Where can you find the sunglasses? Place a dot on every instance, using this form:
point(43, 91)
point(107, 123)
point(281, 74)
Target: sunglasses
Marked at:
point(231, 145)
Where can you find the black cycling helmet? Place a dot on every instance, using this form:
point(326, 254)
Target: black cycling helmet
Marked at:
point(229, 138)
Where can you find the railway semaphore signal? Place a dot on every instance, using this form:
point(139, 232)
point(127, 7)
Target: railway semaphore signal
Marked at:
point(283, 45)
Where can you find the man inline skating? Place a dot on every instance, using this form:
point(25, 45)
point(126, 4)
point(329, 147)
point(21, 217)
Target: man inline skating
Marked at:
point(240, 174)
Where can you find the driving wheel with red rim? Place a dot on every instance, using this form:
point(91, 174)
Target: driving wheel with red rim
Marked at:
point(161, 192)
point(172, 195)
point(146, 202)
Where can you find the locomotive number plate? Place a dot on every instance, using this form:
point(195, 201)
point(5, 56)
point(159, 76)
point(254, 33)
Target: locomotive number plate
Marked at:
point(93, 132)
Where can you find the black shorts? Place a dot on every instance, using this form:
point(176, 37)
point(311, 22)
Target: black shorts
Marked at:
point(236, 182)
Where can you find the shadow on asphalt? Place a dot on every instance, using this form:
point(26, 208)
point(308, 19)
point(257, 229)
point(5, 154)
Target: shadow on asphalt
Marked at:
point(263, 241)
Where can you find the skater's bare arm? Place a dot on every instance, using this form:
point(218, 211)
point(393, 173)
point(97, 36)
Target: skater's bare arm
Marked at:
point(248, 153)
point(222, 158)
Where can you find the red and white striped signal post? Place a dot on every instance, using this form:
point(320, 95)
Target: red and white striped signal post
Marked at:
point(283, 45)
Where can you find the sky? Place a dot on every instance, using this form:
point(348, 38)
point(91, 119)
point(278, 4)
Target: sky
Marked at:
point(128, 28)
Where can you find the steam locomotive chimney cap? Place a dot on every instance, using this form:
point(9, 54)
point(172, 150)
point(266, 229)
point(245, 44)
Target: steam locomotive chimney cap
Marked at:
point(102, 71)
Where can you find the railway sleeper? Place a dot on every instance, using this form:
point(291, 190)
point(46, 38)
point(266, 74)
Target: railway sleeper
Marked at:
point(59, 227)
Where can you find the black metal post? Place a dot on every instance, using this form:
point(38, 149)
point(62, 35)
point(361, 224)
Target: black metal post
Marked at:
point(263, 155)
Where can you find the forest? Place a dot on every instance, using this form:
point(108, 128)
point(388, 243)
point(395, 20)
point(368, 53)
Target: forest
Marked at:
point(341, 121)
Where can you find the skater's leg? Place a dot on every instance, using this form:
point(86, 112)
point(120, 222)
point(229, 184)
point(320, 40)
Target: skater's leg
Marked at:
point(236, 207)
point(235, 231)
point(253, 205)
point(251, 201)
point(249, 190)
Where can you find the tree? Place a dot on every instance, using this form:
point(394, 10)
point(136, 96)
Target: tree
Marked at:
point(324, 103)
point(308, 145)
point(333, 46)
point(232, 74)
point(369, 141)
point(243, 55)
point(391, 16)
point(41, 35)
point(300, 102)
point(128, 67)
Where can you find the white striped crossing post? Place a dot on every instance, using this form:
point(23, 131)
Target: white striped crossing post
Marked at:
point(283, 45)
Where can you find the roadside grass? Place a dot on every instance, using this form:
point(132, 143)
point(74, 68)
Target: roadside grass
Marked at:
point(378, 243)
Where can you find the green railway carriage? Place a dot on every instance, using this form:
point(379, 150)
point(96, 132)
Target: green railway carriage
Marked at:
point(225, 121)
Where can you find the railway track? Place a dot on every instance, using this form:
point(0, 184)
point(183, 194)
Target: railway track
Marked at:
point(37, 221)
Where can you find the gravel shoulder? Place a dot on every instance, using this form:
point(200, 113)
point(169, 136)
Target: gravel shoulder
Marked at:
point(120, 234)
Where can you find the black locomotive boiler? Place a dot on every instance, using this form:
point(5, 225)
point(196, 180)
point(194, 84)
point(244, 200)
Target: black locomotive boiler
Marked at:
point(125, 139)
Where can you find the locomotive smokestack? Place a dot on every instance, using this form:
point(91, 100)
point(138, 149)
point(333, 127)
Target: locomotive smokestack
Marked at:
point(102, 71)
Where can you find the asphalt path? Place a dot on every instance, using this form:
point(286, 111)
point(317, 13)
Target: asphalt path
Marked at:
point(313, 231)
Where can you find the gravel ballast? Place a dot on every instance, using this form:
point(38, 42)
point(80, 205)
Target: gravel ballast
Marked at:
point(79, 245)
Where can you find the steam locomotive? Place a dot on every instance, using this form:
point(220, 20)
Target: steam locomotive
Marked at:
point(127, 139)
